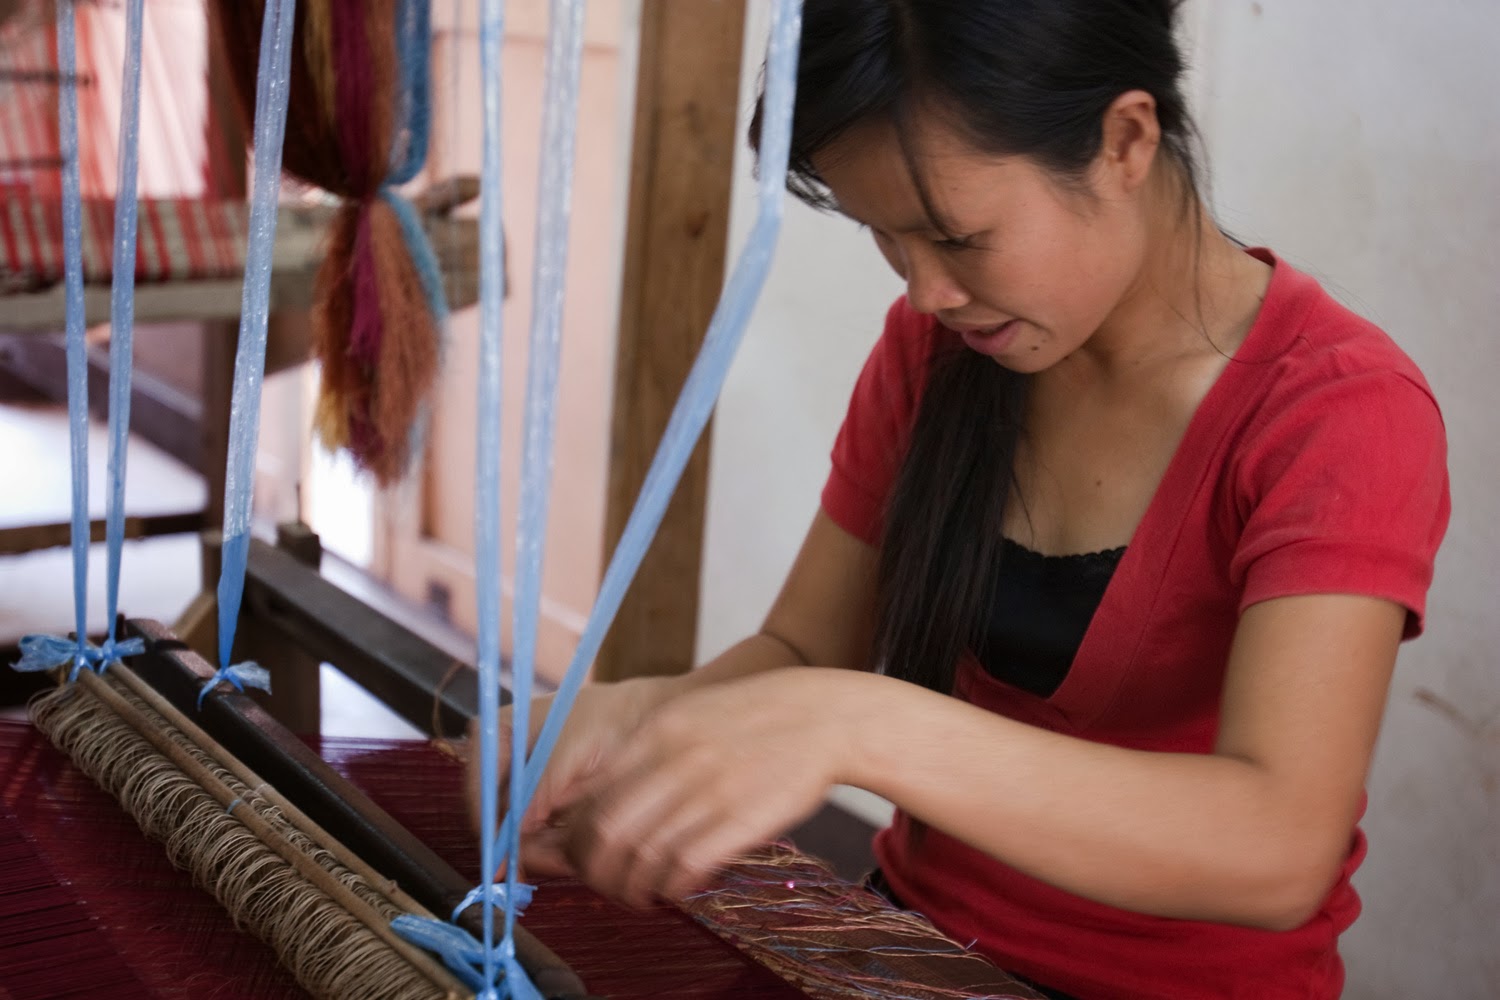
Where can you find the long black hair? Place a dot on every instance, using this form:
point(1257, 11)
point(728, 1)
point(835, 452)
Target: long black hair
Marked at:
point(1027, 78)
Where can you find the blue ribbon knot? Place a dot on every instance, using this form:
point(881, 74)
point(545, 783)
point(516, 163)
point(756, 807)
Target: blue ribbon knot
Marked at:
point(465, 956)
point(496, 894)
point(113, 651)
point(47, 652)
point(240, 676)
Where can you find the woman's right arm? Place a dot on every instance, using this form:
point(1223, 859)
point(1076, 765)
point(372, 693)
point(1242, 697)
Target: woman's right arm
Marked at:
point(823, 616)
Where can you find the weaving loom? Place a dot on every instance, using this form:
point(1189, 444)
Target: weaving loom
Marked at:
point(81, 881)
point(301, 855)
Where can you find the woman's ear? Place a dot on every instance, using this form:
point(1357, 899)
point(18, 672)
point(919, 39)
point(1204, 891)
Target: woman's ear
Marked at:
point(1132, 136)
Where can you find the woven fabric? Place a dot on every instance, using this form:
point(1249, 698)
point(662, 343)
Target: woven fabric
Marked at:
point(89, 907)
point(179, 239)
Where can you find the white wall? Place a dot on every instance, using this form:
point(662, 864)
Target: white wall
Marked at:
point(1361, 139)
point(821, 313)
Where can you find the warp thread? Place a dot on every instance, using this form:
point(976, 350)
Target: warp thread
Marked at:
point(330, 952)
point(358, 127)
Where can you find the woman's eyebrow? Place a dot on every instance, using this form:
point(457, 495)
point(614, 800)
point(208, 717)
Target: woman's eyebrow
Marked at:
point(922, 225)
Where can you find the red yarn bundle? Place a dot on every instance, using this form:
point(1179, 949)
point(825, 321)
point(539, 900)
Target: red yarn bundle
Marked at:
point(375, 331)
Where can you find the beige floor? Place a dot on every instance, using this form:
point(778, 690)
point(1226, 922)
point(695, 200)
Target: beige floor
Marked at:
point(158, 577)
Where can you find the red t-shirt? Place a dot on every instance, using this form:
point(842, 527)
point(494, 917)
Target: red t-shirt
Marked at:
point(1315, 464)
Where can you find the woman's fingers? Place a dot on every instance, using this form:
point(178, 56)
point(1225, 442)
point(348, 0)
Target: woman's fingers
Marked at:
point(706, 777)
point(624, 845)
point(544, 854)
point(474, 770)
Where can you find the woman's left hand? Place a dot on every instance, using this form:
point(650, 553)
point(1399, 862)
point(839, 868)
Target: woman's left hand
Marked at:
point(711, 774)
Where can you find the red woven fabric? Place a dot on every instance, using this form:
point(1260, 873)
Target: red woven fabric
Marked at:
point(89, 907)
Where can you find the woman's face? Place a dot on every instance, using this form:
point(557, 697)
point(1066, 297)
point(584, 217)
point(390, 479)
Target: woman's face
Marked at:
point(1025, 268)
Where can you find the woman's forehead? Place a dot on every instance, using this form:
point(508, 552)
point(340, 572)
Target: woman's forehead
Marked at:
point(902, 176)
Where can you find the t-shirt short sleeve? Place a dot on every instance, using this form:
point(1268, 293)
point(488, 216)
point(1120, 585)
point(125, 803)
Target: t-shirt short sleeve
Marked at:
point(1346, 492)
point(868, 451)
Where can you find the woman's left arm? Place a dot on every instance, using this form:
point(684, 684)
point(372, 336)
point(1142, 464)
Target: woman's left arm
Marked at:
point(1253, 833)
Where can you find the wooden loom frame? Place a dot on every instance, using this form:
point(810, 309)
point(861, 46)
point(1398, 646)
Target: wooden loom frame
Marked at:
point(687, 100)
point(683, 153)
point(245, 730)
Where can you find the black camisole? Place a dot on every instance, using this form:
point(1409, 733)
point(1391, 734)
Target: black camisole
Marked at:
point(1042, 609)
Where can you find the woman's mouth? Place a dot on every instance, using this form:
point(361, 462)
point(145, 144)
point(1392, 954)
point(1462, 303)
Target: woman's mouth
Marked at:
point(988, 339)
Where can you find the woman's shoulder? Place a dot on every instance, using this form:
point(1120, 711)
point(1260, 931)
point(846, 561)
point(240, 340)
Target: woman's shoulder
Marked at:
point(1313, 342)
point(1339, 473)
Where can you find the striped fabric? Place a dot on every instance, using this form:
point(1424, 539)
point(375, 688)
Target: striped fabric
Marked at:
point(28, 107)
point(178, 239)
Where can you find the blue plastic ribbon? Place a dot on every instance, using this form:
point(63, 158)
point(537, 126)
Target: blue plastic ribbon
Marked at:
point(77, 345)
point(122, 308)
point(272, 93)
point(490, 970)
point(487, 484)
point(559, 131)
point(477, 962)
point(45, 652)
point(694, 406)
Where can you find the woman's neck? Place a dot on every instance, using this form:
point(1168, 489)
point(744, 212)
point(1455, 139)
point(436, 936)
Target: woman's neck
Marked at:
point(1197, 293)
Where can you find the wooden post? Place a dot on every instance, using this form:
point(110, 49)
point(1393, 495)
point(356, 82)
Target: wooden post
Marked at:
point(682, 163)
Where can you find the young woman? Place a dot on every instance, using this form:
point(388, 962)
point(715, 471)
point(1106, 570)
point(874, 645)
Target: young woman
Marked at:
point(1124, 528)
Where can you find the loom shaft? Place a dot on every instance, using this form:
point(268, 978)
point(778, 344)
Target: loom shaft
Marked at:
point(247, 732)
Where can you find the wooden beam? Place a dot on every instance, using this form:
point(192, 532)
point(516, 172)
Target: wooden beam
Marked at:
point(31, 537)
point(261, 742)
point(159, 412)
point(293, 607)
point(682, 163)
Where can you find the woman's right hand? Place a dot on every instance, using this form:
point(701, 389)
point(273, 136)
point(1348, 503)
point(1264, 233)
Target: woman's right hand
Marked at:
point(603, 718)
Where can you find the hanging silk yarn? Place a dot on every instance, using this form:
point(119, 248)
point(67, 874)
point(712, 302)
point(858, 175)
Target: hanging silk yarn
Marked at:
point(358, 128)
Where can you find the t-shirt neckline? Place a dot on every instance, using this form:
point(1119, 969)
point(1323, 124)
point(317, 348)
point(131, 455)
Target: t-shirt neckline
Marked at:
point(1111, 642)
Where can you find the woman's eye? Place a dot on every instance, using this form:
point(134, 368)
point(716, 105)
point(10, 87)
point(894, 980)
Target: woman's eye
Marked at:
point(956, 242)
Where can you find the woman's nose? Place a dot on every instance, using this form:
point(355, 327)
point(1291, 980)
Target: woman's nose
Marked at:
point(930, 289)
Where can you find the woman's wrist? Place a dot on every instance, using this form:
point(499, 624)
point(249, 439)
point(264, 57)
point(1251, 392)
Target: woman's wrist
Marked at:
point(749, 657)
point(850, 710)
